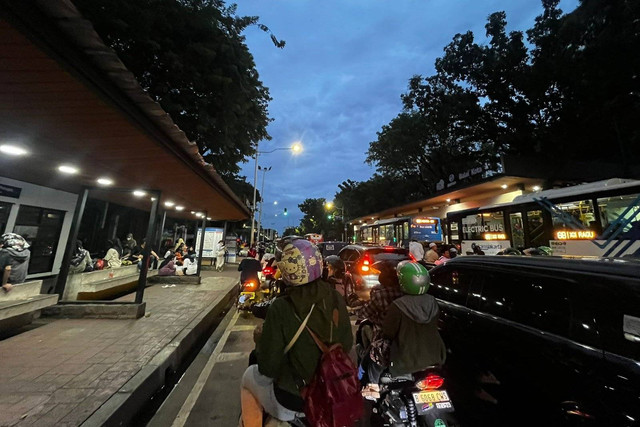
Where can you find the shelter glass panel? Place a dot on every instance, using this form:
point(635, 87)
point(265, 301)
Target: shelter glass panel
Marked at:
point(5, 209)
point(41, 228)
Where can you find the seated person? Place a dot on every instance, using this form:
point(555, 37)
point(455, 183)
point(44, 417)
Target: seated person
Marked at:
point(190, 266)
point(179, 254)
point(14, 260)
point(138, 254)
point(80, 259)
point(410, 328)
point(112, 258)
point(249, 268)
point(168, 267)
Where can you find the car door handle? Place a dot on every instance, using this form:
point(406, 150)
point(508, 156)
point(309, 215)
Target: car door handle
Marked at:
point(631, 337)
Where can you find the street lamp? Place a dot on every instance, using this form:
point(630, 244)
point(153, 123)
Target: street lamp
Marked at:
point(264, 174)
point(296, 148)
point(330, 205)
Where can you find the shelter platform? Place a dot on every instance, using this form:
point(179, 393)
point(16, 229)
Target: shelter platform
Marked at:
point(23, 304)
point(100, 371)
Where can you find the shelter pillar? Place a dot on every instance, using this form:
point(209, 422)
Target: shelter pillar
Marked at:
point(61, 280)
point(146, 253)
point(200, 250)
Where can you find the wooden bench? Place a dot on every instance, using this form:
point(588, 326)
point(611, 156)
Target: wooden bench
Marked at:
point(102, 284)
point(23, 304)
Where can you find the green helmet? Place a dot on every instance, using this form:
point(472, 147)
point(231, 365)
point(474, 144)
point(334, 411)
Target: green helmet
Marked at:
point(413, 278)
point(545, 250)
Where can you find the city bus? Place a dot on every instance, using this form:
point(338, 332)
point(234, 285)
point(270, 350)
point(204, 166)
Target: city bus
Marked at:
point(596, 219)
point(399, 231)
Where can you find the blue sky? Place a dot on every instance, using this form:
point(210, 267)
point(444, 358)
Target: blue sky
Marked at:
point(340, 77)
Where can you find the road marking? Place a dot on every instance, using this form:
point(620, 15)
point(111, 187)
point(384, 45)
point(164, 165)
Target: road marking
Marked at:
point(242, 328)
point(181, 419)
point(230, 357)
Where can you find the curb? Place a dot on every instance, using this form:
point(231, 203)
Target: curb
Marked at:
point(122, 407)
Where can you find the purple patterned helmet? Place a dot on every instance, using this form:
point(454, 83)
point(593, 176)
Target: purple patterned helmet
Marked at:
point(300, 262)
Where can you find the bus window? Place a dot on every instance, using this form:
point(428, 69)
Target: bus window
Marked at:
point(581, 212)
point(472, 228)
point(366, 234)
point(611, 208)
point(537, 233)
point(517, 230)
point(405, 231)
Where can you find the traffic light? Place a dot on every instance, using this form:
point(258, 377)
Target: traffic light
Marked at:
point(285, 211)
point(329, 216)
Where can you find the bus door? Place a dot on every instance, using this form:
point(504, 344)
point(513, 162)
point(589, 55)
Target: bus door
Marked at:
point(537, 228)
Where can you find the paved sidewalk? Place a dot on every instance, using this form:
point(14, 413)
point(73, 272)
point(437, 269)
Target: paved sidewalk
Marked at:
point(61, 373)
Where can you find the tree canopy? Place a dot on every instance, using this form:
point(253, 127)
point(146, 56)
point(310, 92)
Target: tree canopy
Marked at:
point(191, 57)
point(566, 89)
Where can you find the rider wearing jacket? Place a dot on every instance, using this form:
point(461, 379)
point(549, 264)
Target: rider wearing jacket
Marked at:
point(274, 384)
point(411, 324)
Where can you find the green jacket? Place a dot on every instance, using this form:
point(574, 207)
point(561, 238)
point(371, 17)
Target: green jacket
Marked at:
point(281, 325)
point(411, 324)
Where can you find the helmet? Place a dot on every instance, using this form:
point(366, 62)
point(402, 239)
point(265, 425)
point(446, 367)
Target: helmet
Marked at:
point(510, 251)
point(300, 262)
point(337, 264)
point(545, 250)
point(413, 278)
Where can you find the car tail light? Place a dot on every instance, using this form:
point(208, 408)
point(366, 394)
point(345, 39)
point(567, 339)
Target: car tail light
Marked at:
point(365, 263)
point(431, 382)
point(389, 248)
point(412, 257)
point(250, 286)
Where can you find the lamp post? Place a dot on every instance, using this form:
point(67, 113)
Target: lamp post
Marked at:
point(264, 174)
point(296, 148)
point(329, 205)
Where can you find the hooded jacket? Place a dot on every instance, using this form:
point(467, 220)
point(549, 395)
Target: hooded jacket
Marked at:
point(19, 261)
point(411, 324)
point(283, 320)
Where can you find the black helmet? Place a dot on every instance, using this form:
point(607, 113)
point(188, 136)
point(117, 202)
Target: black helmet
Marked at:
point(509, 251)
point(337, 264)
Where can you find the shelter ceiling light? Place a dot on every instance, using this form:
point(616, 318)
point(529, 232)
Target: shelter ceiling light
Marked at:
point(140, 193)
point(169, 203)
point(68, 169)
point(179, 208)
point(504, 186)
point(104, 181)
point(448, 200)
point(208, 218)
point(193, 212)
point(13, 150)
point(153, 199)
point(536, 188)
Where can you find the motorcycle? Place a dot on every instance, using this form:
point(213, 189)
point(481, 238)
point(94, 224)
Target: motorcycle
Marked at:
point(248, 294)
point(417, 399)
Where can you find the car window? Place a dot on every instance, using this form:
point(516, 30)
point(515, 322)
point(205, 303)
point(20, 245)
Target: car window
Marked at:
point(539, 302)
point(395, 255)
point(349, 255)
point(450, 284)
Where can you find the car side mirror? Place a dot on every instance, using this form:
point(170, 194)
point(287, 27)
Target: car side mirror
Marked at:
point(632, 338)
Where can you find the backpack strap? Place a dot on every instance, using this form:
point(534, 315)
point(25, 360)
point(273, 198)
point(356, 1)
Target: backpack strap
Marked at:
point(299, 331)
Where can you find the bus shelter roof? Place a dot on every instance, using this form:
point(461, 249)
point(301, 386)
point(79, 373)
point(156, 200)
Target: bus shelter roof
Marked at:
point(67, 99)
point(493, 186)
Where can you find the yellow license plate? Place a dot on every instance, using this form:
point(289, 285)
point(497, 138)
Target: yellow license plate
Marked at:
point(431, 396)
point(250, 295)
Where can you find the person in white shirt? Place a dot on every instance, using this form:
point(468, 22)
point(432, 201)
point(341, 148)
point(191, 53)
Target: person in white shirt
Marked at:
point(432, 254)
point(220, 253)
point(190, 266)
point(416, 249)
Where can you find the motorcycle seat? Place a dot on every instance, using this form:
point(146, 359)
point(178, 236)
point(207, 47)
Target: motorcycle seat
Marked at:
point(388, 379)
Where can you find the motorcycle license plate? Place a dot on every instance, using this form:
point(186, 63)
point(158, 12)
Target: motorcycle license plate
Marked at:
point(431, 396)
point(246, 296)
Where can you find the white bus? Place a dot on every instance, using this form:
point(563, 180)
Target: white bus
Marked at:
point(596, 219)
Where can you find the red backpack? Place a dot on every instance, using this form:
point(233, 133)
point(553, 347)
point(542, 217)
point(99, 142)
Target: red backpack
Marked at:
point(332, 398)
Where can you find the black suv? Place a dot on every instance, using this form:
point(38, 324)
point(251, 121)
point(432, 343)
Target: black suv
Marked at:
point(361, 274)
point(561, 336)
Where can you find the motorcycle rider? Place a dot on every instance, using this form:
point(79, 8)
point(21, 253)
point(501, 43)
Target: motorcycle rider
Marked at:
point(273, 385)
point(410, 327)
point(335, 273)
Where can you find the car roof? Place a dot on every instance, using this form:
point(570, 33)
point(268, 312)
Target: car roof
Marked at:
point(608, 266)
point(369, 247)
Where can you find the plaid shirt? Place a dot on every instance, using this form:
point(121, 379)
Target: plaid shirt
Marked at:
point(376, 308)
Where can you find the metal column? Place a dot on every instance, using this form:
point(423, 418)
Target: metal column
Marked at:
point(200, 250)
point(61, 280)
point(142, 278)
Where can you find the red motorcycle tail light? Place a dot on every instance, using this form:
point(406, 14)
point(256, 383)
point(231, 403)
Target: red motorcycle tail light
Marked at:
point(250, 286)
point(431, 382)
point(267, 271)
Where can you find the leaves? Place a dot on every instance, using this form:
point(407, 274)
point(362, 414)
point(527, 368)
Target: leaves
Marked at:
point(191, 56)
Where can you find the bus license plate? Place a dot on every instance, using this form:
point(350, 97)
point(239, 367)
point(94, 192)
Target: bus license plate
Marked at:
point(431, 396)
